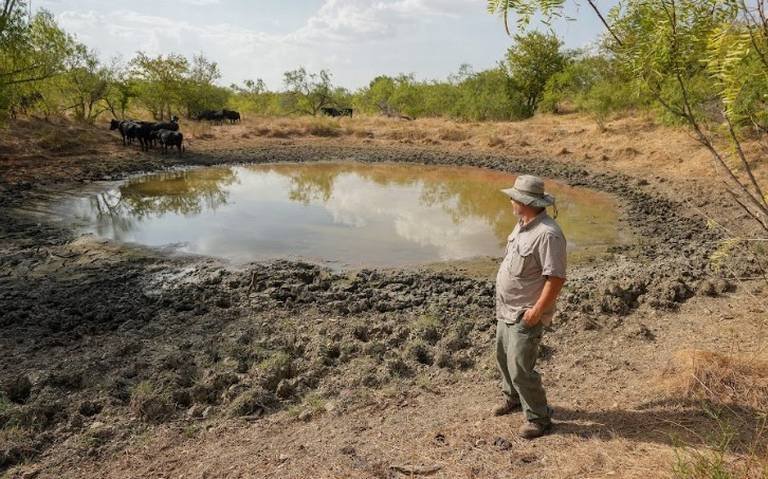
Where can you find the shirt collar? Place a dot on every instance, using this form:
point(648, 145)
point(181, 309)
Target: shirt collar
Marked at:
point(536, 219)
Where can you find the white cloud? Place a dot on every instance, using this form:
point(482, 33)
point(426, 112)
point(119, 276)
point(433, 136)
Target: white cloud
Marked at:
point(361, 35)
point(365, 20)
point(400, 209)
point(198, 3)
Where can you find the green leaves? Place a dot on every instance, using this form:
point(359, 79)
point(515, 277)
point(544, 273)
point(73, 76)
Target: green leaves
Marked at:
point(170, 84)
point(307, 92)
point(738, 68)
point(705, 62)
point(531, 61)
point(525, 10)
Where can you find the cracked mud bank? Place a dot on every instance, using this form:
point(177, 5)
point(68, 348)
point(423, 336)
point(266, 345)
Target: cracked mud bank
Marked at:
point(101, 340)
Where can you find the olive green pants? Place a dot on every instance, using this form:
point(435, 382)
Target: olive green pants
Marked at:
point(517, 348)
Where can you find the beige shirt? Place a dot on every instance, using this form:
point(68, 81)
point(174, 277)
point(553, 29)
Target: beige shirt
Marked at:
point(534, 251)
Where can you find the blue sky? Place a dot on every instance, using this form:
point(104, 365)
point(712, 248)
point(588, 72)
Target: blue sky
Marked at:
point(355, 39)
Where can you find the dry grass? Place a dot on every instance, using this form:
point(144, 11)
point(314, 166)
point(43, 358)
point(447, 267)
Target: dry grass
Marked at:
point(60, 138)
point(495, 141)
point(405, 133)
point(199, 130)
point(322, 127)
point(719, 379)
point(634, 144)
point(731, 425)
point(59, 142)
point(454, 134)
point(280, 133)
point(149, 404)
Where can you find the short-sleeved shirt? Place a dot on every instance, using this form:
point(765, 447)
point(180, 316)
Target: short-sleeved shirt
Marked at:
point(534, 251)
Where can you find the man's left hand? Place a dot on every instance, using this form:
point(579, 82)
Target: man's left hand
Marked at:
point(532, 317)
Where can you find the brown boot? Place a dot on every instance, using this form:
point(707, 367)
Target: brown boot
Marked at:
point(531, 430)
point(508, 406)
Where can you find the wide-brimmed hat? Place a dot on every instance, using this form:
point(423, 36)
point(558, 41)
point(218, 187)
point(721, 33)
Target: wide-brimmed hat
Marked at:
point(529, 190)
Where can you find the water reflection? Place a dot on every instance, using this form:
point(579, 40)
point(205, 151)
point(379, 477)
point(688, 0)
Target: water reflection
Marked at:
point(359, 214)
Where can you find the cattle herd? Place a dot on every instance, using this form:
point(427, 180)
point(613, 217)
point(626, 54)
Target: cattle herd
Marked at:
point(148, 133)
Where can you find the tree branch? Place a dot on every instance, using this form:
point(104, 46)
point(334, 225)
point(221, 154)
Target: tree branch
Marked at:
point(743, 158)
point(603, 20)
point(27, 80)
point(759, 221)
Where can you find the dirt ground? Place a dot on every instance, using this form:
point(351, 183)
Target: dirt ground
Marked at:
point(122, 361)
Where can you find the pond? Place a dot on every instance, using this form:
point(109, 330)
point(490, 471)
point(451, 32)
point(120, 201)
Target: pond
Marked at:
point(343, 214)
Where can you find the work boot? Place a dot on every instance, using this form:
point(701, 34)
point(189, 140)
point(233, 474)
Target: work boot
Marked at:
point(531, 430)
point(506, 407)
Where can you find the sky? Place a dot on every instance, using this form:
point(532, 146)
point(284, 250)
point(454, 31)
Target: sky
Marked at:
point(354, 39)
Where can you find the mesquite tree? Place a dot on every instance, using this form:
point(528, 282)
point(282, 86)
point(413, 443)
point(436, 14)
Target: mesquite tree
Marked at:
point(705, 62)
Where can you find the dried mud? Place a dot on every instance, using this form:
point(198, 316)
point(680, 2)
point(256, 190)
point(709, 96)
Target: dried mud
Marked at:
point(101, 340)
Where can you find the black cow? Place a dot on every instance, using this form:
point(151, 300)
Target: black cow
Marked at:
point(142, 131)
point(211, 115)
point(330, 111)
point(127, 129)
point(231, 115)
point(117, 125)
point(169, 138)
point(172, 125)
point(145, 133)
point(336, 112)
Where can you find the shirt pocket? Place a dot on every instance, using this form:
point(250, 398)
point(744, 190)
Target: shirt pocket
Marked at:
point(521, 259)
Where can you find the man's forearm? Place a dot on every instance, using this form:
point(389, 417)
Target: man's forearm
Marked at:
point(548, 296)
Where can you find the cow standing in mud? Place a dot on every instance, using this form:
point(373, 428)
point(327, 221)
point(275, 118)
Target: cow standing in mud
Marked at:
point(169, 138)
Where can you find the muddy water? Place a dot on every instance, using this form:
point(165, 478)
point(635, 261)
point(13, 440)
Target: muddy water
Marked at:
point(342, 214)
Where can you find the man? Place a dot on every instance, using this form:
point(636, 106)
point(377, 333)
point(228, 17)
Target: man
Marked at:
point(529, 279)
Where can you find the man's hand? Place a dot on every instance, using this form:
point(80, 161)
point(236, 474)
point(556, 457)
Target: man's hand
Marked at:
point(552, 287)
point(532, 317)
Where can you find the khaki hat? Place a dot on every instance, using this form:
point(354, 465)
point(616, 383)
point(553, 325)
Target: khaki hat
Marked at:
point(529, 190)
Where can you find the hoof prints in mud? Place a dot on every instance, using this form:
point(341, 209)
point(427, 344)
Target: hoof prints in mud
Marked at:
point(295, 284)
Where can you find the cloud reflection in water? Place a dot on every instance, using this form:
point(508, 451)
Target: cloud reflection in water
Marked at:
point(351, 213)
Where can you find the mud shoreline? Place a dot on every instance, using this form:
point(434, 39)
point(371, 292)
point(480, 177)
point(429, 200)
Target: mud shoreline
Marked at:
point(102, 340)
point(666, 234)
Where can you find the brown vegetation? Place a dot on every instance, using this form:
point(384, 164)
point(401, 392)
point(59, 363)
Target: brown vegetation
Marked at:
point(408, 393)
point(633, 144)
point(720, 379)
